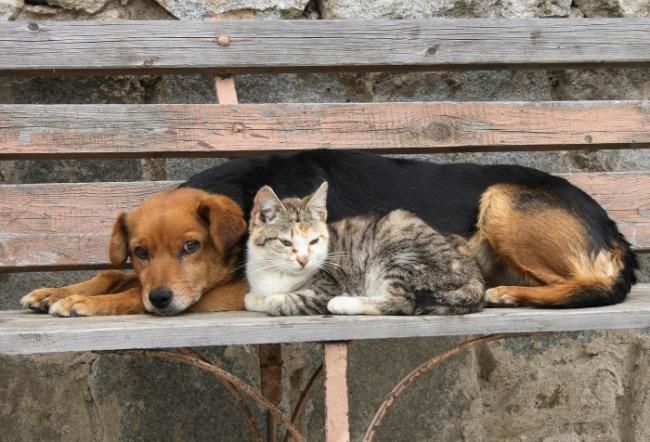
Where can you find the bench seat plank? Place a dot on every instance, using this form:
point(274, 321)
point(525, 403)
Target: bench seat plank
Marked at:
point(23, 332)
point(55, 226)
point(146, 47)
point(181, 130)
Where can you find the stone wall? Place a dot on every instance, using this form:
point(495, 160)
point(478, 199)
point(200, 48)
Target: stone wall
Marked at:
point(563, 387)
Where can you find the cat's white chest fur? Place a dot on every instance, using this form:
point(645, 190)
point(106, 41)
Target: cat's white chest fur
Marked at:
point(264, 283)
point(270, 282)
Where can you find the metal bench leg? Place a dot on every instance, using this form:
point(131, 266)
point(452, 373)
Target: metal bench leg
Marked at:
point(271, 380)
point(337, 427)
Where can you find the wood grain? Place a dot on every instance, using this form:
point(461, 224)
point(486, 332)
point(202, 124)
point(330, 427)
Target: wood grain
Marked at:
point(337, 418)
point(23, 332)
point(146, 47)
point(63, 225)
point(91, 131)
point(626, 197)
point(68, 225)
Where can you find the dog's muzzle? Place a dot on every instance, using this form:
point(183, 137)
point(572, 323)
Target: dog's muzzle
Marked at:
point(161, 297)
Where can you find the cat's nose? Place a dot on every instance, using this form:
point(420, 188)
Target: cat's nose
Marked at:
point(302, 260)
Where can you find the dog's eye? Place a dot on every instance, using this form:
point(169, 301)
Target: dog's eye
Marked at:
point(141, 253)
point(314, 241)
point(286, 242)
point(190, 246)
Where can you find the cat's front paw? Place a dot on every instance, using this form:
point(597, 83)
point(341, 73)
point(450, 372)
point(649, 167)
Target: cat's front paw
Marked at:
point(254, 302)
point(276, 305)
point(344, 305)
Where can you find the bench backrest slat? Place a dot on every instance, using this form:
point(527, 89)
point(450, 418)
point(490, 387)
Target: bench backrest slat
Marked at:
point(64, 225)
point(42, 48)
point(68, 225)
point(50, 226)
point(86, 131)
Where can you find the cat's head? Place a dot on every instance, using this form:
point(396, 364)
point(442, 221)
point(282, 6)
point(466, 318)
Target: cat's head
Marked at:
point(289, 235)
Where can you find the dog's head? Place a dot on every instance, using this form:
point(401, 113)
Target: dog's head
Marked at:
point(182, 243)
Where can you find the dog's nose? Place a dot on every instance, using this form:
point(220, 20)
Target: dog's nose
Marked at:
point(160, 297)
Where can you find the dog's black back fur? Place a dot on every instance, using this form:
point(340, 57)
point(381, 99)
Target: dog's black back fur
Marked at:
point(445, 195)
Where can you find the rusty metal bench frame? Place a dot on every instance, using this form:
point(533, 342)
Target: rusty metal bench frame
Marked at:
point(49, 213)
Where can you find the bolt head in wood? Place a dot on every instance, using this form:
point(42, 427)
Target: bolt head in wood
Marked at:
point(223, 40)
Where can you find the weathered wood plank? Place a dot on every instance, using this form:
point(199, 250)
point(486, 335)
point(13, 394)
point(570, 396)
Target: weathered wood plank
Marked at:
point(68, 225)
point(23, 332)
point(59, 225)
point(87, 131)
point(626, 197)
point(59, 48)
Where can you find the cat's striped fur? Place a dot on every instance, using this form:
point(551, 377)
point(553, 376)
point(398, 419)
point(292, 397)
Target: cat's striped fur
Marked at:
point(390, 265)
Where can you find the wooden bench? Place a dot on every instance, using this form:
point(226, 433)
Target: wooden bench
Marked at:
point(66, 226)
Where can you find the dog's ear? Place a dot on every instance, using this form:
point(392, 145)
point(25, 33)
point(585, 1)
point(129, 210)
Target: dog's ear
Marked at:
point(225, 219)
point(118, 249)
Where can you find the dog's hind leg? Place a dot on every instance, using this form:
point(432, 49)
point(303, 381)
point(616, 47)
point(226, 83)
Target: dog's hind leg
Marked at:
point(106, 282)
point(535, 252)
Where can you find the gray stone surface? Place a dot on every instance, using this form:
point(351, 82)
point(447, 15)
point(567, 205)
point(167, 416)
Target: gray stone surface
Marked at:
point(564, 387)
point(85, 6)
point(112, 10)
point(9, 9)
point(444, 8)
point(202, 9)
point(84, 396)
point(613, 8)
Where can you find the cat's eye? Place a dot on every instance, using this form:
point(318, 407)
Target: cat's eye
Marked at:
point(141, 253)
point(191, 246)
point(313, 241)
point(286, 242)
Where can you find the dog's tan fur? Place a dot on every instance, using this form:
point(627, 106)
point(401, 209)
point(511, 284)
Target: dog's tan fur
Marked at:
point(535, 258)
point(202, 281)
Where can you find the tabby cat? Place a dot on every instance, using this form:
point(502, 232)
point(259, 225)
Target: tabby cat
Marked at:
point(390, 265)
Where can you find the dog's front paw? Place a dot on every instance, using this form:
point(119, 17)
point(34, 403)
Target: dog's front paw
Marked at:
point(500, 297)
point(75, 305)
point(40, 300)
point(254, 302)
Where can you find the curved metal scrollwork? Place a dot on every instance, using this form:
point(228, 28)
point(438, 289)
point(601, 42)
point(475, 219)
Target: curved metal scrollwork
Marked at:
point(419, 371)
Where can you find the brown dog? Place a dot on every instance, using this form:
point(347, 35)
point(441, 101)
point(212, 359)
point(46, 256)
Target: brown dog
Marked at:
point(184, 245)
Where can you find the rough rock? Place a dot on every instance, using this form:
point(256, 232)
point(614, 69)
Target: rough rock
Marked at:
point(444, 8)
point(200, 9)
point(613, 8)
point(114, 10)
point(9, 9)
point(87, 6)
point(82, 396)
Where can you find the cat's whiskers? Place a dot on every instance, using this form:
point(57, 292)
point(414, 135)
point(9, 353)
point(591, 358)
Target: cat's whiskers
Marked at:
point(269, 266)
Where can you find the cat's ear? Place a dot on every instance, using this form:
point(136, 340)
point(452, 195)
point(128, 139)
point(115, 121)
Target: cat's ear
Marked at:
point(266, 206)
point(317, 202)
